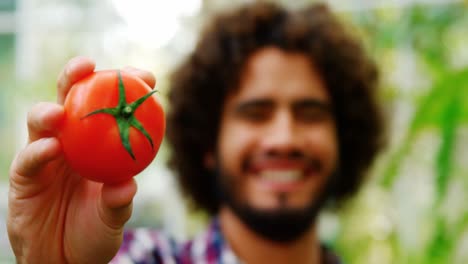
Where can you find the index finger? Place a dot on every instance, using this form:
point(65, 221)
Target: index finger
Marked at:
point(146, 76)
point(76, 69)
point(34, 157)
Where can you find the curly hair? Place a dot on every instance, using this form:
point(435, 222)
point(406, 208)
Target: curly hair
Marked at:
point(201, 83)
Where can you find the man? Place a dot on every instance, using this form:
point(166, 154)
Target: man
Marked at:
point(271, 116)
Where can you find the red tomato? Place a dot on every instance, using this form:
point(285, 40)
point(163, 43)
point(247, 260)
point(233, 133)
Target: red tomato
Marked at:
point(108, 135)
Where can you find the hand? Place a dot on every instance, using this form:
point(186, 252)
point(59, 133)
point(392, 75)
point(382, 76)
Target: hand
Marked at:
point(55, 215)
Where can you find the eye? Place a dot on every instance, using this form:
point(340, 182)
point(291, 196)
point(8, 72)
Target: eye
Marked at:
point(311, 114)
point(312, 111)
point(254, 110)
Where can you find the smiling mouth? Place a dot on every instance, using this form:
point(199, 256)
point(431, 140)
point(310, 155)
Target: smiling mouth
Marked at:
point(282, 176)
point(281, 181)
point(284, 170)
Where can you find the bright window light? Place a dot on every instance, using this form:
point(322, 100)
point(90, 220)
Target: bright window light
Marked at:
point(154, 22)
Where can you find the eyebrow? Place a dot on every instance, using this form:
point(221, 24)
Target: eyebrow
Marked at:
point(242, 106)
point(313, 103)
point(299, 104)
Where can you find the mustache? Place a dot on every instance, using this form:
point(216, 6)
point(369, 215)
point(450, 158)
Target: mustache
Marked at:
point(310, 161)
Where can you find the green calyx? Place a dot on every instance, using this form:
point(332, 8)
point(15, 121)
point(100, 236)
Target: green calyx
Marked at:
point(124, 114)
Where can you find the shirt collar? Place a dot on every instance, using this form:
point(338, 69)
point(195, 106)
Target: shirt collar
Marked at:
point(211, 247)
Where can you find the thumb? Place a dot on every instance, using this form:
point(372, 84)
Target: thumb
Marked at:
point(116, 203)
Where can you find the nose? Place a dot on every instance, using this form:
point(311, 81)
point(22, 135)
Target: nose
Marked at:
point(281, 135)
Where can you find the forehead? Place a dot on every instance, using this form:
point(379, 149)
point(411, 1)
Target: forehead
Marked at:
point(272, 72)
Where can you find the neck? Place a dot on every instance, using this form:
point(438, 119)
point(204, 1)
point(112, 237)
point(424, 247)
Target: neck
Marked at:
point(252, 249)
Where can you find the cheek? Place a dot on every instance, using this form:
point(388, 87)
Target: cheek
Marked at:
point(234, 144)
point(324, 142)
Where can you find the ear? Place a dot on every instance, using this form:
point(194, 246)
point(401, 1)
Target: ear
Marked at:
point(209, 161)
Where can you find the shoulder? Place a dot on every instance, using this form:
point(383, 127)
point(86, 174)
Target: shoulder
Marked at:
point(330, 257)
point(146, 246)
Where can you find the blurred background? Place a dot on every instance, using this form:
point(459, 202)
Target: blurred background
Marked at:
point(414, 207)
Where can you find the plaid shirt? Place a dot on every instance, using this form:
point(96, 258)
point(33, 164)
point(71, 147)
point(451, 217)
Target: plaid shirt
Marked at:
point(145, 246)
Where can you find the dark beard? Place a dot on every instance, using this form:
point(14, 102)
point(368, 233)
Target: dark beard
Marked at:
point(283, 225)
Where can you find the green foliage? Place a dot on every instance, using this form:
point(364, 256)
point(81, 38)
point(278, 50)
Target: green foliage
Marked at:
point(7, 42)
point(441, 108)
point(7, 5)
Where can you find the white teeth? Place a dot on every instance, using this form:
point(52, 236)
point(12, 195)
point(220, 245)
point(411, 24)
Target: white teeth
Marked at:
point(282, 175)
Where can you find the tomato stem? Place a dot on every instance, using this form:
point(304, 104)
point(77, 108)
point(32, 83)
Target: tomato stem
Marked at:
point(125, 118)
point(127, 111)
